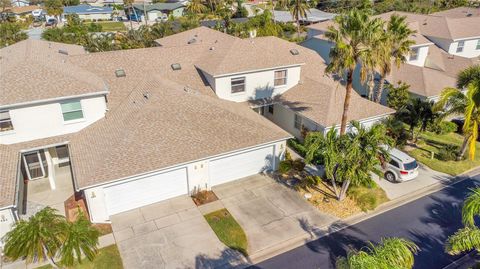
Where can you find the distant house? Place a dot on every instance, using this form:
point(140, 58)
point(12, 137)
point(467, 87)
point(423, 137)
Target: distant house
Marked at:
point(87, 12)
point(159, 10)
point(22, 11)
point(20, 3)
point(313, 16)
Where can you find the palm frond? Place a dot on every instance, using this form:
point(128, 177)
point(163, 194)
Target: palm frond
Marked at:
point(465, 239)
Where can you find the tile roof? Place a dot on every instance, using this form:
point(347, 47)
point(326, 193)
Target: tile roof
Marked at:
point(42, 72)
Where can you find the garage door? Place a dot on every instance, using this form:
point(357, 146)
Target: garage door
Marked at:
point(233, 167)
point(145, 191)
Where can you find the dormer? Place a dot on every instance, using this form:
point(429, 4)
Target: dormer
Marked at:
point(417, 55)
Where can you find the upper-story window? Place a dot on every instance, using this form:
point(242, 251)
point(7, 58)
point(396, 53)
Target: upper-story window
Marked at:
point(238, 84)
point(460, 46)
point(478, 45)
point(5, 121)
point(72, 111)
point(280, 78)
point(413, 54)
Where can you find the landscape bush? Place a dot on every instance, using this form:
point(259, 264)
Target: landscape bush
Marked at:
point(448, 153)
point(285, 166)
point(442, 127)
point(296, 145)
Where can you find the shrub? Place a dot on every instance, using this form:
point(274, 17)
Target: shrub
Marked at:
point(285, 166)
point(288, 156)
point(298, 165)
point(448, 153)
point(95, 27)
point(296, 145)
point(442, 127)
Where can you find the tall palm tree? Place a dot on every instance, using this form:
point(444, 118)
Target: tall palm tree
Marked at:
point(196, 7)
point(37, 239)
point(299, 9)
point(454, 101)
point(394, 48)
point(390, 253)
point(467, 238)
point(354, 35)
point(80, 238)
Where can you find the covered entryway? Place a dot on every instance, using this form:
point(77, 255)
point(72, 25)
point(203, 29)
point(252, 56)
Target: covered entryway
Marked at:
point(241, 165)
point(148, 190)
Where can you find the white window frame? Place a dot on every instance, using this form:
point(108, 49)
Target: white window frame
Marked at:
point(414, 54)
point(42, 168)
point(297, 122)
point(285, 78)
point(460, 47)
point(478, 45)
point(69, 111)
point(238, 79)
point(9, 119)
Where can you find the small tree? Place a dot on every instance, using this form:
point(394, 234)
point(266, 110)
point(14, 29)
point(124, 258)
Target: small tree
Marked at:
point(54, 8)
point(417, 114)
point(196, 7)
point(11, 33)
point(398, 96)
point(390, 253)
point(298, 10)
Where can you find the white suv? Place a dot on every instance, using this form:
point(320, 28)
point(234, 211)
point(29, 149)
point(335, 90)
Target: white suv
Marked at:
point(401, 167)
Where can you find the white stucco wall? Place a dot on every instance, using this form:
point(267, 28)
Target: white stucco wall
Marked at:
point(94, 17)
point(7, 220)
point(469, 48)
point(422, 56)
point(258, 85)
point(46, 120)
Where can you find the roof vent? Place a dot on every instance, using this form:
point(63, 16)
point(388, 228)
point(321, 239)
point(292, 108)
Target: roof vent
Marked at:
point(294, 52)
point(191, 41)
point(146, 95)
point(120, 73)
point(212, 48)
point(469, 15)
point(64, 52)
point(176, 66)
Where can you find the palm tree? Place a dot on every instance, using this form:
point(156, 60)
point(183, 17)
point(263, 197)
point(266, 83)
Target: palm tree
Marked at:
point(37, 239)
point(394, 47)
point(354, 35)
point(299, 9)
point(417, 114)
point(390, 253)
point(196, 7)
point(80, 238)
point(454, 101)
point(467, 238)
point(129, 5)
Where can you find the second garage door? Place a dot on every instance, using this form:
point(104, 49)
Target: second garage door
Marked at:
point(245, 164)
point(145, 191)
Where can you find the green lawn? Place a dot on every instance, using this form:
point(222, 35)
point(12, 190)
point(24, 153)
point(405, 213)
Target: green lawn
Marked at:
point(434, 142)
point(112, 26)
point(228, 230)
point(107, 258)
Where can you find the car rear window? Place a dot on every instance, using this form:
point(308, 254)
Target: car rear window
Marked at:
point(410, 166)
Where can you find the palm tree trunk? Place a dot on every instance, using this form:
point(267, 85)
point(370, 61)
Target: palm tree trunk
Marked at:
point(463, 149)
point(343, 191)
point(346, 103)
point(298, 27)
point(381, 85)
point(370, 86)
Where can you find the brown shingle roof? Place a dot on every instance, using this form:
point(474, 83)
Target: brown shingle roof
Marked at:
point(8, 175)
point(459, 12)
point(41, 72)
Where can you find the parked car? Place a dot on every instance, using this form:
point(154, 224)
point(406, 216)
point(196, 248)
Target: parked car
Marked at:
point(51, 22)
point(401, 167)
point(134, 17)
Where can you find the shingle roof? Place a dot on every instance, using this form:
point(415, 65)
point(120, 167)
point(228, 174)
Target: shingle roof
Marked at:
point(8, 175)
point(459, 12)
point(313, 15)
point(159, 6)
point(34, 70)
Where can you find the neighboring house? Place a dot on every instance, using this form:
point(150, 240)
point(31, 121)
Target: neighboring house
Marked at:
point(313, 16)
point(125, 129)
point(21, 12)
point(20, 3)
point(443, 47)
point(88, 12)
point(159, 10)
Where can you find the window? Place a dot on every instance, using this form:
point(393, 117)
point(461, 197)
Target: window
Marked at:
point(297, 122)
point(5, 121)
point(414, 54)
point(478, 45)
point(280, 78)
point(72, 111)
point(394, 163)
point(238, 85)
point(270, 109)
point(460, 46)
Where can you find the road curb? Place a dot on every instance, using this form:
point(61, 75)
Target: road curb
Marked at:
point(325, 230)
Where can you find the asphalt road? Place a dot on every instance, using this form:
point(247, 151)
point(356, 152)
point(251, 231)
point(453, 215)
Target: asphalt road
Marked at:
point(427, 221)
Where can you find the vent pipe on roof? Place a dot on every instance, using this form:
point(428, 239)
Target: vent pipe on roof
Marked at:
point(64, 52)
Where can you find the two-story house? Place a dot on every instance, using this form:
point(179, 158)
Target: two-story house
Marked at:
point(125, 129)
point(444, 44)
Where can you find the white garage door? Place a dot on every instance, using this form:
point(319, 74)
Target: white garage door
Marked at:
point(145, 191)
point(226, 169)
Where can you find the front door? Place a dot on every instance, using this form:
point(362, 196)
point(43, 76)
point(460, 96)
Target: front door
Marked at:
point(34, 164)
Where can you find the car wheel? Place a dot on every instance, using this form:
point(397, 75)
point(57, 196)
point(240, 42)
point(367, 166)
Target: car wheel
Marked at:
point(390, 177)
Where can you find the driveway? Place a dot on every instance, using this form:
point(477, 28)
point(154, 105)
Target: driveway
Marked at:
point(269, 212)
point(426, 177)
point(170, 234)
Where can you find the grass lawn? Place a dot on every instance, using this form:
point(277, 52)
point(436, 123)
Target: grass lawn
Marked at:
point(228, 230)
point(107, 258)
point(434, 142)
point(112, 26)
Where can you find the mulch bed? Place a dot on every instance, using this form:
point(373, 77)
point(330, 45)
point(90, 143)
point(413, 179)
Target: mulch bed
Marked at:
point(204, 197)
point(73, 204)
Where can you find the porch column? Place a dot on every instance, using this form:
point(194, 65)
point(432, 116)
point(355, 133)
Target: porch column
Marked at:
point(51, 169)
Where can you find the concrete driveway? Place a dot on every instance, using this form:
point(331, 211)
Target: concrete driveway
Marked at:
point(426, 177)
point(170, 234)
point(269, 212)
